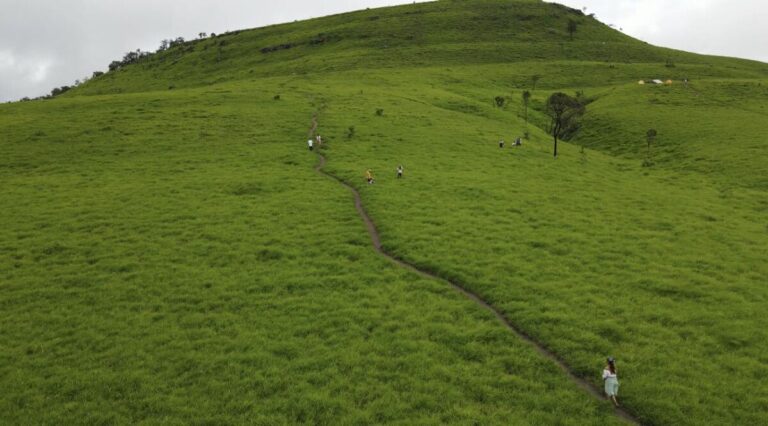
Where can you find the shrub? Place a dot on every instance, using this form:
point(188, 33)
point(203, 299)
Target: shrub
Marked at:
point(500, 101)
point(351, 132)
point(379, 112)
point(59, 90)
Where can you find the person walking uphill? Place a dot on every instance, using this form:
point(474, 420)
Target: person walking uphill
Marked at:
point(311, 145)
point(399, 172)
point(369, 177)
point(611, 379)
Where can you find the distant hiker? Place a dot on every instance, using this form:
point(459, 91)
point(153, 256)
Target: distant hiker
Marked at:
point(311, 145)
point(611, 379)
point(369, 177)
point(399, 171)
point(501, 143)
point(319, 140)
point(519, 142)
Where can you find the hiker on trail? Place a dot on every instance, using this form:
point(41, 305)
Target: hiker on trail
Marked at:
point(311, 145)
point(319, 140)
point(369, 177)
point(501, 143)
point(519, 142)
point(611, 379)
point(399, 171)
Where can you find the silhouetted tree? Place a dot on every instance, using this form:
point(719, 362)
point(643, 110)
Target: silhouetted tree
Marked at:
point(535, 79)
point(526, 102)
point(565, 113)
point(59, 90)
point(177, 42)
point(573, 26)
point(650, 138)
point(130, 58)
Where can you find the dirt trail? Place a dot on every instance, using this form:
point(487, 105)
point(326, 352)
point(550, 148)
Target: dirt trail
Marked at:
point(541, 349)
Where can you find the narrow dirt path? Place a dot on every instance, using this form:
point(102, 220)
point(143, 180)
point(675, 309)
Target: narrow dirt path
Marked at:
point(541, 349)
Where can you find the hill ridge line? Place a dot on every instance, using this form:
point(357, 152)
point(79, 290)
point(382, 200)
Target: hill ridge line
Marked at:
point(370, 225)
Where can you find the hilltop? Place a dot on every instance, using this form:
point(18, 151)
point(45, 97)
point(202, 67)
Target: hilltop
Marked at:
point(168, 252)
point(435, 34)
point(509, 42)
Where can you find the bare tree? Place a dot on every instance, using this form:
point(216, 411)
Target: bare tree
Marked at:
point(535, 79)
point(526, 102)
point(650, 138)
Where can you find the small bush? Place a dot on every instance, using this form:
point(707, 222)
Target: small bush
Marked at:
point(500, 101)
point(277, 97)
point(351, 132)
point(379, 112)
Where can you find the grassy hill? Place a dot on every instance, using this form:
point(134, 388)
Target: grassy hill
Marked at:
point(169, 255)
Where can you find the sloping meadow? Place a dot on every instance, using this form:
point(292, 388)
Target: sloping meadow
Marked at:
point(592, 255)
point(173, 258)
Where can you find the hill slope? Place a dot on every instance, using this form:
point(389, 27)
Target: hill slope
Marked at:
point(168, 254)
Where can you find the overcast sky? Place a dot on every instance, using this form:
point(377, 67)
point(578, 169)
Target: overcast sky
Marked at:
point(50, 43)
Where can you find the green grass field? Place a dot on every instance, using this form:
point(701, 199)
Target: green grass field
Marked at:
point(169, 255)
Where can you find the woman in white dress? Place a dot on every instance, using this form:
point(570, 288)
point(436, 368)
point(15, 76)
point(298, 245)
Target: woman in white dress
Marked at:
point(611, 379)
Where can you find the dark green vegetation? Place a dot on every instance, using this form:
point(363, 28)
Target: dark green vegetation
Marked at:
point(170, 255)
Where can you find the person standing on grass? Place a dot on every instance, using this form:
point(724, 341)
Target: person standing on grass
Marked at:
point(611, 379)
point(319, 140)
point(369, 177)
point(501, 143)
point(400, 171)
point(311, 144)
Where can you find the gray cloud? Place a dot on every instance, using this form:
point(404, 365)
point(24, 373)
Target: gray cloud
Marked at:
point(50, 43)
point(715, 27)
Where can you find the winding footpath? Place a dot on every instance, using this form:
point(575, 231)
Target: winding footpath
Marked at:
point(541, 349)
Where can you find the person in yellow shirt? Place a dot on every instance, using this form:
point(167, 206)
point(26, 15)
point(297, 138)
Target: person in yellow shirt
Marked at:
point(369, 176)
